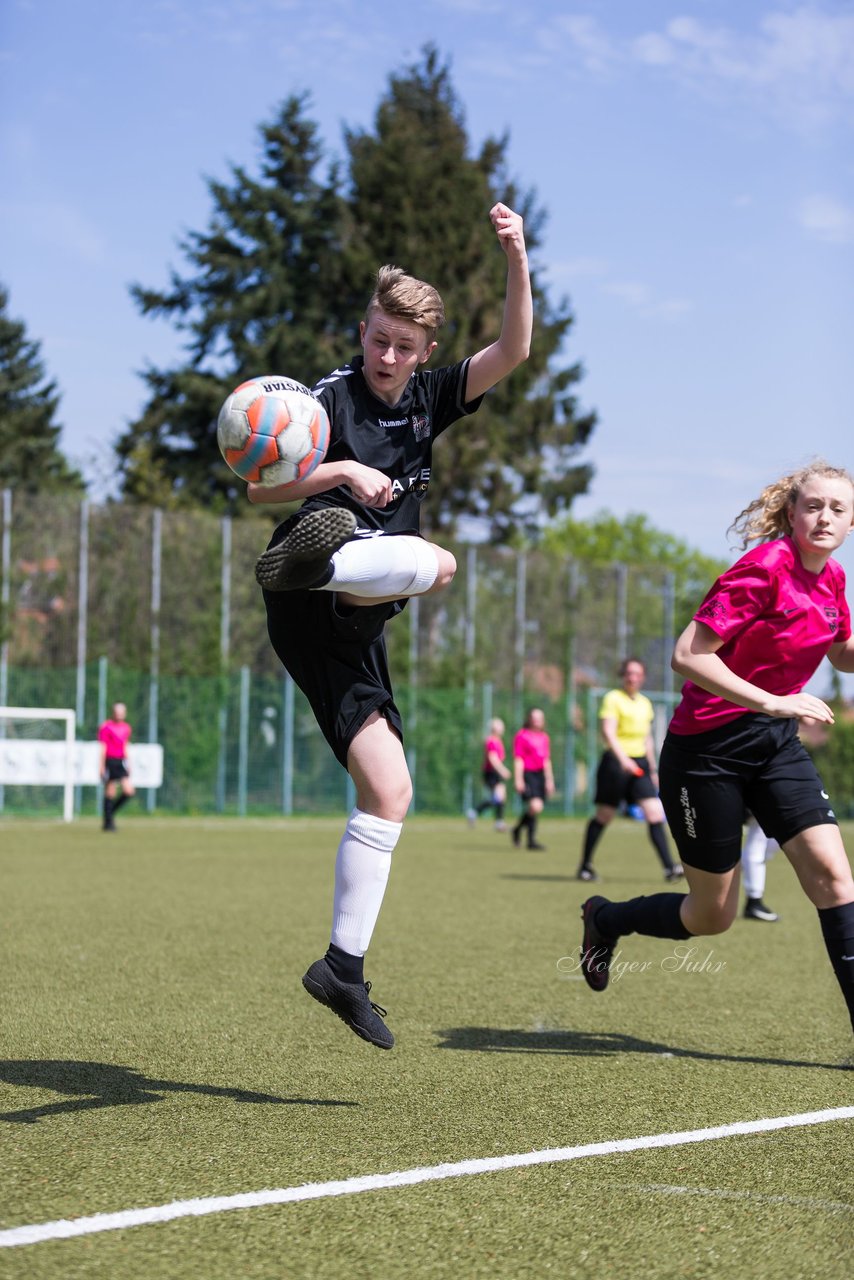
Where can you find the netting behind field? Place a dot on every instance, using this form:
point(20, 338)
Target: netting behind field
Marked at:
point(160, 610)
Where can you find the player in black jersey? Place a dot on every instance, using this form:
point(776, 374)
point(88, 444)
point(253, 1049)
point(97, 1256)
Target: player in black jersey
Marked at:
point(332, 576)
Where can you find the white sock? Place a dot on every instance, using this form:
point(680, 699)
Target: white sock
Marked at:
point(361, 875)
point(376, 567)
point(753, 860)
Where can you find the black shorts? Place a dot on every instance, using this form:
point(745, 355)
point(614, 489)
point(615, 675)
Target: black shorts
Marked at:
point(491, 778)
point(336, 656)
point(614, 785)
point(709, 780)
point(115, 768)
point(535, 784)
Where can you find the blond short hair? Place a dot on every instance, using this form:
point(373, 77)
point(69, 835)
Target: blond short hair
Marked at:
point(767, 517)
point(405, 298)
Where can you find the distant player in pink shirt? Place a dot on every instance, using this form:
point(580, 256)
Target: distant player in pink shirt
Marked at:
point(114, 736)
point(733, 746)
point(495, 774)
point(532, 774)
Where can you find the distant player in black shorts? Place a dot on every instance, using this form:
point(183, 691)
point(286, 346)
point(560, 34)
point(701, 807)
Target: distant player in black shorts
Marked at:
point(733, 746)
point(333, 576)
point(627, 772)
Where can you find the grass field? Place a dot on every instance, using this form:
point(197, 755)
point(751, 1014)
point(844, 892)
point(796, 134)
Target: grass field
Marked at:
point(157, 1046)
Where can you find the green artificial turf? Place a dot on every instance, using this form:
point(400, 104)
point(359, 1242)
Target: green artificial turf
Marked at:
point(157, 1045)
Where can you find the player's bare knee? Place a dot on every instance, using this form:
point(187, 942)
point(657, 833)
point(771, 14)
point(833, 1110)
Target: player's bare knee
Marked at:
point(447, 568)
point(707, 919)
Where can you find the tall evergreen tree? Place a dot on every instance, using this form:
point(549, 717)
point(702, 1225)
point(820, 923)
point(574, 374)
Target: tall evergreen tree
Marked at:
point(264, 298)
point(30, 458)
point(420, 200)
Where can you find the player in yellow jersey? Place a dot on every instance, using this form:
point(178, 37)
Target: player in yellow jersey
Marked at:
point(627, 770)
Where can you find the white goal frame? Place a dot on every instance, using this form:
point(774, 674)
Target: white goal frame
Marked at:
point(10, 768)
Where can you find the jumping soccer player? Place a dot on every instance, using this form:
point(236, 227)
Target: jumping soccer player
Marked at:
point(334, 574)
point(733, 745)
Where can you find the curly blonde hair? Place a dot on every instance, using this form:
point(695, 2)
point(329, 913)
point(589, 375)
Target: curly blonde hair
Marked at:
point(767, 517)
point(405, 298)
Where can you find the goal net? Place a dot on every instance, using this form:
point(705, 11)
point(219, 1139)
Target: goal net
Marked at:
point(37, 750)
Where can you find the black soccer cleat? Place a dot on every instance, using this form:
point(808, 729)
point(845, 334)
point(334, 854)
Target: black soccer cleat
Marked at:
point(301, 559)
point(597, 950)
point(350, 1001)
point(755, 909)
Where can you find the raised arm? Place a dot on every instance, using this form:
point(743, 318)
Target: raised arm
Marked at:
point(513, 344)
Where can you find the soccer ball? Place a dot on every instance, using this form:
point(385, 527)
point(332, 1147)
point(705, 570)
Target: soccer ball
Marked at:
point(271, 430)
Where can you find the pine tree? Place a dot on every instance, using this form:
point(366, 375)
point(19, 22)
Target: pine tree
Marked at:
point(264, 298)
point(283, 274)
point(30, 458)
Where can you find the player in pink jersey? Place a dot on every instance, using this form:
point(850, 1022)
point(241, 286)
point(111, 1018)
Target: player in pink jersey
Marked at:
point(733, 745)
point(114, 736)
point(532, 774)
point(495, 775)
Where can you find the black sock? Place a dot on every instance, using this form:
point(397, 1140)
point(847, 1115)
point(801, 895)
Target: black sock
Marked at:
point(591, 839)
point(483, 806)
point(346, 968)
point(499, 811)
point(659, 843)
point(837, 925)
point(532, 829)
point(523, 822)
point(122, 799)
point(656, 916)
point(109, 808)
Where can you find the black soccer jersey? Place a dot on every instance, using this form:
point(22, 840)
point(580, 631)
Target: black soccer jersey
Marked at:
point(395, 440)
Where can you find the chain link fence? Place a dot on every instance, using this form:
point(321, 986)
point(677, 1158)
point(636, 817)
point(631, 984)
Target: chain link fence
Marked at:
point(160, 610)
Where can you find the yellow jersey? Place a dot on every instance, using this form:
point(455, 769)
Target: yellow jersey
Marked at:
point(634, 717)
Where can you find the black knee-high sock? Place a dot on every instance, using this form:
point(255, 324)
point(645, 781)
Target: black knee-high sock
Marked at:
point(591, 839)
point(659, 844)
point(483, 806)
point(656, 916)
point(109, 807)
point(532, 828)
point(119, 801)
point(837, 925)
point(523, 823)
point(499, 810)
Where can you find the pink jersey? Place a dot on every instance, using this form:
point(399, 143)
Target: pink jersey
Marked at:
point(531, 746)
point(777, 621)
point(492, 746)
point(115, 734)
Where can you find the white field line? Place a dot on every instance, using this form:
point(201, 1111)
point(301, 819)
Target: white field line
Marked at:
point(66, 1228)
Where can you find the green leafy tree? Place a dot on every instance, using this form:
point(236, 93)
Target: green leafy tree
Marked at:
point(281, 278)
point(264, 297)
point(29, 433)
point(636, 543)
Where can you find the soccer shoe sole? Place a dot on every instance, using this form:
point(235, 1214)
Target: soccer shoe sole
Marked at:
point(596, 949)
point(302, 557)
point(320, 994)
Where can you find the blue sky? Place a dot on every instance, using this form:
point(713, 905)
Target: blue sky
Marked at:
point(695, 161)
